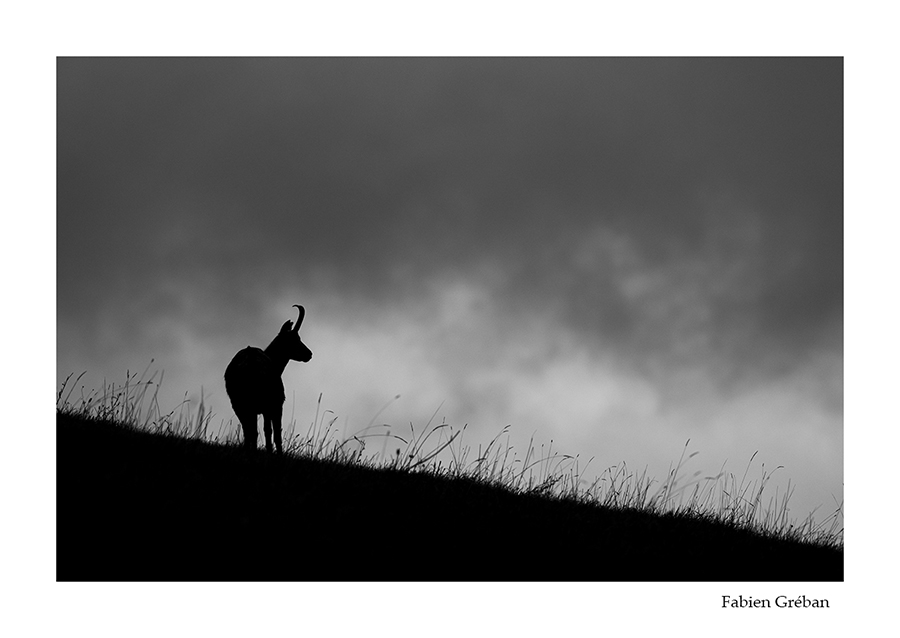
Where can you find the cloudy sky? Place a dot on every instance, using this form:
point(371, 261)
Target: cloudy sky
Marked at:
point(615, 254)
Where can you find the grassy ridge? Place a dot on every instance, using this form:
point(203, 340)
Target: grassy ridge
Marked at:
point(132, 505)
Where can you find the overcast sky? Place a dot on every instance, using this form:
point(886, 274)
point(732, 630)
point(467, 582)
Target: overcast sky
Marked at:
point(615, 254)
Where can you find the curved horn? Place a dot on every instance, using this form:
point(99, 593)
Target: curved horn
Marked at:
point(299, 318)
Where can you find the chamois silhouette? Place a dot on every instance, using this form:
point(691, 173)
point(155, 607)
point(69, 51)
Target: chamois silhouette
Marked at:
point(253, 382)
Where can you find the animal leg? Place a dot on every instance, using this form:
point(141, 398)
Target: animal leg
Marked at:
point(248, 424)
point(267, 418)
point(276, 423)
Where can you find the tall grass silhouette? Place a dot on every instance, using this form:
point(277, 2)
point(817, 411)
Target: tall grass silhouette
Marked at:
point(498, 488)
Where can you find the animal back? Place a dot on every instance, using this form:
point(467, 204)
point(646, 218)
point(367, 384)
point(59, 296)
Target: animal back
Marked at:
point(252, 383)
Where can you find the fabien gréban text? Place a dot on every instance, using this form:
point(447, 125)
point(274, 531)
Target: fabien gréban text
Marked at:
point(782, 602)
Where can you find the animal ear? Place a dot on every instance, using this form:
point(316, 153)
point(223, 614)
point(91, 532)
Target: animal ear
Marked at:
point(300, 318)
point(286, 327)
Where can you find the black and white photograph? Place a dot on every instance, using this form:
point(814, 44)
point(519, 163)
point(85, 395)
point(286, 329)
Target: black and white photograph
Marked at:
point(446, 311)
point(482, 319)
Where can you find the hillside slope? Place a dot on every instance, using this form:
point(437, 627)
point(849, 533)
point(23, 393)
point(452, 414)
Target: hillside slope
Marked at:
point(138, 506)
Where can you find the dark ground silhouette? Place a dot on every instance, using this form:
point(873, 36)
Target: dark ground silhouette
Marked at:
point(138, 506)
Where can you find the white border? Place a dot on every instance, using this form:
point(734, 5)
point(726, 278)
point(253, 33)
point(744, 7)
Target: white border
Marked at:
point(36, 33)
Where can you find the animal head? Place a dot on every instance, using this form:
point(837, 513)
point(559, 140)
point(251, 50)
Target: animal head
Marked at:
point(289, 339)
